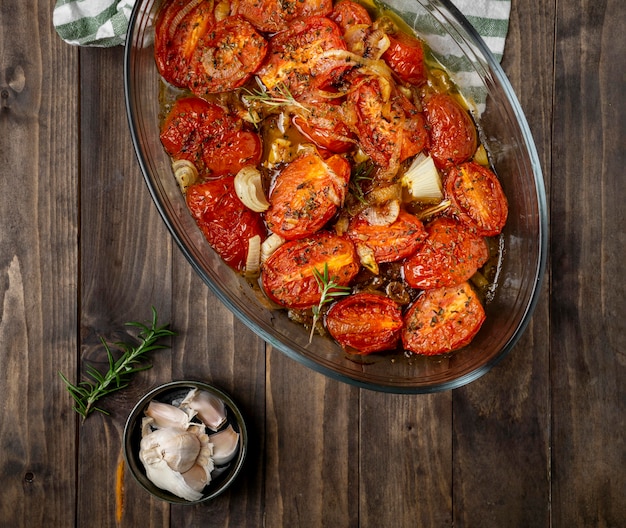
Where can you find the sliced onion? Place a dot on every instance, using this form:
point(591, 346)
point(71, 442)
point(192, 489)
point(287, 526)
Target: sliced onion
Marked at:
point(269, 245)
point(382, 215)
point(249, 189)
point(253, 260)
point(366, 257)
point(422, 180)
point(185, 173)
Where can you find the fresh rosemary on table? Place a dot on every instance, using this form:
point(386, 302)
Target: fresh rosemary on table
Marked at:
point(88, 392)
point(329, 290)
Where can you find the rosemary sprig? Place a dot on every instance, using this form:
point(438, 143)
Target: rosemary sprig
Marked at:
point(88, 392)
point(361, 173)
point(329, 290)
point(280, 96)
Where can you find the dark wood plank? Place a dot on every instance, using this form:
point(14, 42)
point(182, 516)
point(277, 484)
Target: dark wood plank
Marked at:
point(588, 334)
point(38, 263)
point(215, 347)
point(405, 464)
point(311, 446)
point(501, 422)
point(125, 269)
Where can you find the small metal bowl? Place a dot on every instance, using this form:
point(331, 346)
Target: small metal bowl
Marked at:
point(168, 393)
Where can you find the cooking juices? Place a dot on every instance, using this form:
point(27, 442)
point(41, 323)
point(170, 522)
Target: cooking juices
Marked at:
point(324, 154)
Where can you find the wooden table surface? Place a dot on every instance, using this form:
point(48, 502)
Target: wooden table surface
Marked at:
point(537, 441)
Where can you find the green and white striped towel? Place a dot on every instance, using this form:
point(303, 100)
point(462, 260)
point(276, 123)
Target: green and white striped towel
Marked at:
point(104, 23)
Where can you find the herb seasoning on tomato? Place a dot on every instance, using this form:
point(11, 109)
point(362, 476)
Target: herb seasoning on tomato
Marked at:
point(324, 157)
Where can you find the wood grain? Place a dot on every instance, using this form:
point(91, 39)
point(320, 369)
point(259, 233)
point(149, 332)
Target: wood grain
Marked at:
point(588, 335)
point(38, 261)
point(501, 422)
point(538, 441)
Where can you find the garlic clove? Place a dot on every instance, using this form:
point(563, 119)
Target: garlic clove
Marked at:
point(210, 409)
point(225, 444)
point(197, 477)
point(166, 415)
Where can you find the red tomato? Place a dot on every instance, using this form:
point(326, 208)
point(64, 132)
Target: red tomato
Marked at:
point(365, 322)
point(450, 255)
point(190, 121)
point(442, 320)
point(230, 152)
point(292, 52)
point(208, 136)
point(324, 127)
point(347, 13)
point(477, 195)
point(387, 134)
point(275, 15)
point(389, 243)
point(453, 137)
point(226, 57)
point(287, 275)
point(306, 195)
point(226, 223)
point(405, 57)
point(178, 28)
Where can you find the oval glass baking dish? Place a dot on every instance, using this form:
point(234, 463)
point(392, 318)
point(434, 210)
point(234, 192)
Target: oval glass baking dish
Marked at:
point(524, 240)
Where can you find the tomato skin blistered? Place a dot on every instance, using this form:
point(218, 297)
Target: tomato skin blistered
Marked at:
point(226, 223)
point(365, 323)
point(477, 197)
point(453, 136)
point(331, 104)
point(288, 278)
point(451, 254)
point(442, 320)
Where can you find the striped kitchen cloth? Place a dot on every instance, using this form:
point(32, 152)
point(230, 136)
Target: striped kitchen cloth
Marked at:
point(104, 23)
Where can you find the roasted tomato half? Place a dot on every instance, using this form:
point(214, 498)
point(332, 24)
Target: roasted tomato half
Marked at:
point(325, 127)
point(306, 195)
point(226, 56)
point(347, 14)
point(226, 223)
point(179, 27)
point(287, 275)
point(405, 56)
point(442, 320)
point(272, 16)
point(387, 133)
point(453, 137)
point(206, 134)
point(293, 61)
point(476, 193)
point(450, 255)
point(391, 242)
point(365, 323)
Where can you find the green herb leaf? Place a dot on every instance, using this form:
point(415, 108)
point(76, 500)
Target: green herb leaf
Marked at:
point(329, 290)
point(89, 391)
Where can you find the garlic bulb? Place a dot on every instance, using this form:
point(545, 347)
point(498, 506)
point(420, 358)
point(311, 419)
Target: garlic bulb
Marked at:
point(175, 449)
point(169, 453)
